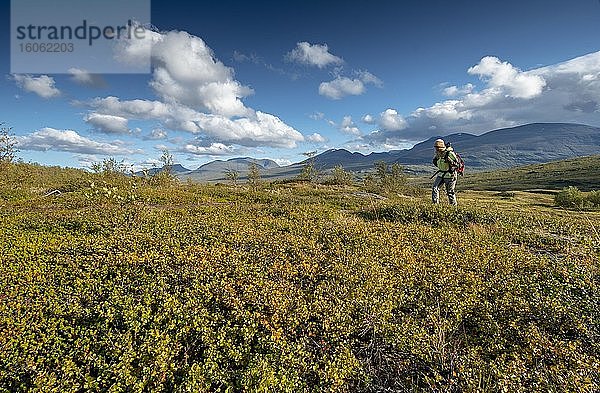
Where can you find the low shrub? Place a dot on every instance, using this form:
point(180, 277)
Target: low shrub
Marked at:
point(202, 288)
point(573, 198)
point(429, 214)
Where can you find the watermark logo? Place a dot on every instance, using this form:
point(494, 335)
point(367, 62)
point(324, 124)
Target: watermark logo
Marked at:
point(106, 36)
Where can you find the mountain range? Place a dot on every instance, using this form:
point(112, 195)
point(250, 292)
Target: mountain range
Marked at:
point(503, 148)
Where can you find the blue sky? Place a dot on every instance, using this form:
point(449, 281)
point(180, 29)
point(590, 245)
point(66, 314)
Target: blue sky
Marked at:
point(275, 79)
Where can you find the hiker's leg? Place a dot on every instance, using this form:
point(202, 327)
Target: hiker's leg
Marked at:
point(450, 185)
point(435, 190)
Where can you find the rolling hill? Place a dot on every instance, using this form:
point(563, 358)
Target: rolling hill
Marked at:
point(504, 148)
point(499, 149)
point(175, 169)
point(216, 170)
point(510, 147)
point(581, 172)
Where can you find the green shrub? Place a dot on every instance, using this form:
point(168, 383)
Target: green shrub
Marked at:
point(205, 288)
point(593, 197)
point(570, 197)
point(386, 179)
point(339, 177)
point(253, 176)
point(436, 215)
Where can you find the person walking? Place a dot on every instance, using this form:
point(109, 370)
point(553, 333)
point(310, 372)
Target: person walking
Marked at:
point(446, 162)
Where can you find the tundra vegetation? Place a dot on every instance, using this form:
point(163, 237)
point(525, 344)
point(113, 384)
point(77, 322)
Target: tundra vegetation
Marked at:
point(122, 283)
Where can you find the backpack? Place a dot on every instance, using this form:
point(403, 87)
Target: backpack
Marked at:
point(459, 166)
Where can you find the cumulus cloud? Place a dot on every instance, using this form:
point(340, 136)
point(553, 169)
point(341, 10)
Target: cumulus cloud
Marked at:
point(84, 78)
point(348, 127)
point(503, 75)
point(343, 86)
point(147, 163)
point(108, 123)
point(136, 53)
point(564, 92)
point(69, 141)
point(316, 138)
point(453, 91)
point(43, 85)
point(136, 109)
point(313, 55)
point(187, 72)
point(366, 77)
point(157, 133)
point(263, 129)
point(214, 149)
point(368, 119)
point(390, 120)
point(448, 110)
point(198, 94)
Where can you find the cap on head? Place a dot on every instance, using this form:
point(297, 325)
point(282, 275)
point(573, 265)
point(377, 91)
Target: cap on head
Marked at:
point(439, 144)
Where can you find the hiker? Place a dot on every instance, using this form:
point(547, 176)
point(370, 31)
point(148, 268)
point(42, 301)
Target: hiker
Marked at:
point(445, 160)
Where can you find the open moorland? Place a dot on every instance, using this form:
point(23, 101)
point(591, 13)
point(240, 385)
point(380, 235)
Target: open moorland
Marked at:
point(123, 284)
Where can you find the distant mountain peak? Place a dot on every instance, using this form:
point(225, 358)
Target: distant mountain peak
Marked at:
point(176, 169)
point(502, 148)
point(240, 164)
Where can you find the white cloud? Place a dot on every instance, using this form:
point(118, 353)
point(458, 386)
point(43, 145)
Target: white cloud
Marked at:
point(147, 164)
point(583, 66)
point(368, 119)
point(317, 116)
point(69, 141)
point(453, 91)
point(390, 120)
point(157, 133)
point(514, 82)
point(186, 72)
point(341, 87)
point(43, 85)
point(447, 110)
point(241, 57)
point(366, 77)
point(266, 129)
point(87, 160)
point(137, 109)
point(564, 92)
point(262, 129)
point(348, 127)
point(84, 78)
point(316, 138)
point(137, 52)
point(198, 94)
point(214, 149)
point(108, 123)
point(313, 54)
